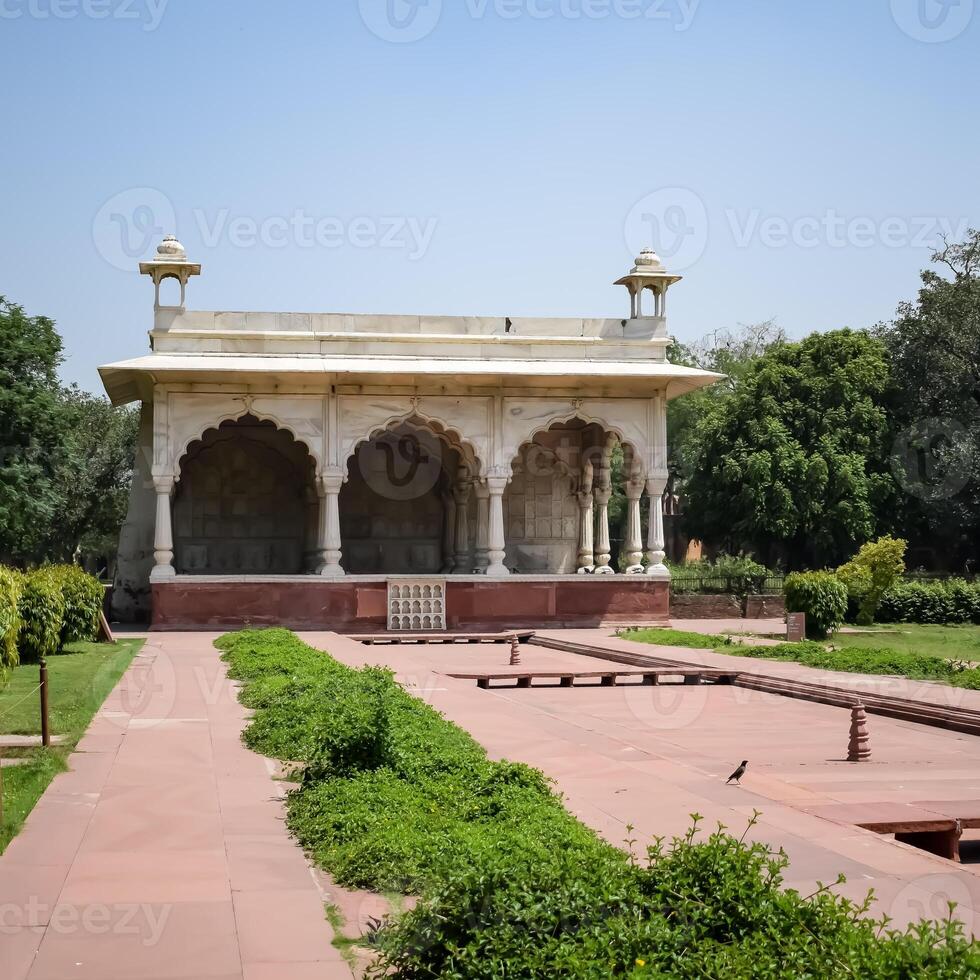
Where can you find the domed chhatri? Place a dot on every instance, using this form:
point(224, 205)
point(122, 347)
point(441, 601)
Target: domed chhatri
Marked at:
point(648, 272)
point(170, 262)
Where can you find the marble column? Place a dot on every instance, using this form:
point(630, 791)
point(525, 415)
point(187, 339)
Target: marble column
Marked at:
point(603, 552)
point(633, 543)
point(330, 543)
point(461, 495)
point(163, 534)
point(586, 526)
point(496, 484)
point(482, 492)
point(603, 493)
point(655, 531)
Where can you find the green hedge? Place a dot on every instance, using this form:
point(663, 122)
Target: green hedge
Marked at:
point(822, 596)
point(42, 615)
point(11, 584)
point(950, 601)
point(83, 595)
point(58, 604)
point(510, 884)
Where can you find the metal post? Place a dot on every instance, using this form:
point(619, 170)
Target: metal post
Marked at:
point(45, 729)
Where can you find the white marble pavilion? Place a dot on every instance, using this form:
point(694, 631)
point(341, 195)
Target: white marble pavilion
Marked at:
point(329, 469)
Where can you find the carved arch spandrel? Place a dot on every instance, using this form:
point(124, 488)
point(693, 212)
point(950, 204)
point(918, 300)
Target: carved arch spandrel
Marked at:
point(191, 414)
point(525, 418)
point(465, 420)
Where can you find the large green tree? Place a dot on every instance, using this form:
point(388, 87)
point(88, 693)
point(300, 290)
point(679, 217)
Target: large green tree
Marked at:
point(30, 438)
point(793, 464)
point(934, 344)
point(66, 457)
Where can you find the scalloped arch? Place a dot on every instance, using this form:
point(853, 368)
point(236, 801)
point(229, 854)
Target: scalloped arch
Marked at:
point(561, 419)
point(237, 416)
point(424, 423)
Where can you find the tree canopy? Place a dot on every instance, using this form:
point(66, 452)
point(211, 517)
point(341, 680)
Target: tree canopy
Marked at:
point(67, 456)
point(793, 464)
point(934, 347)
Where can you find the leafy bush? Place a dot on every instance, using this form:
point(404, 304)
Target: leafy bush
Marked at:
point(951, 601)
point(42, 615)
point(871, 573)
point(694, 909)
point(10, 589)
point(822, 596)
point(83, 595)
point(511, 884)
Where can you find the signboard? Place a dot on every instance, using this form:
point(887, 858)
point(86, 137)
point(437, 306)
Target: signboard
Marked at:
point(795, 627)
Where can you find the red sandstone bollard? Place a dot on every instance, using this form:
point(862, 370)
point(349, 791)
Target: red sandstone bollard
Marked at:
point(515, 651)
point(859, 745)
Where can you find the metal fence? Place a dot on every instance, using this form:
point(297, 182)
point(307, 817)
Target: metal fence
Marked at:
point(769, 584)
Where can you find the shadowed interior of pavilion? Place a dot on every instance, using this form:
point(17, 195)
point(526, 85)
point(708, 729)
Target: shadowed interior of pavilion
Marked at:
point(414, 503)
point(246, 503)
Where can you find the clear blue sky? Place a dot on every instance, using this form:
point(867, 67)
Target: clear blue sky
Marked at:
point(796, 159)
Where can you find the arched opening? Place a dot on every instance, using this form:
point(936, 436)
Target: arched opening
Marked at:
point(246, 503)
point(407, 504)
point(548, 498)
point(170, 292)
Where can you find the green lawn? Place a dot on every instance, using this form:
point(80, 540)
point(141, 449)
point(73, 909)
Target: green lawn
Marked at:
point(952, 642)
point(78, 681)
point(661, 636)
point(938, 653)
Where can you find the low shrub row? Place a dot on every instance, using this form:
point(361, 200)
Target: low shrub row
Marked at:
point(949, 601)
point(42, 610)
point(393, 796)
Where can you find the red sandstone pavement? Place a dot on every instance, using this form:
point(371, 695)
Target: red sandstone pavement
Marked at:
point(163, 853)
point(651, 756)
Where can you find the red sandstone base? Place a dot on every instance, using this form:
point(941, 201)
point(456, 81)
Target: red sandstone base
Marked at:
point(361, 606)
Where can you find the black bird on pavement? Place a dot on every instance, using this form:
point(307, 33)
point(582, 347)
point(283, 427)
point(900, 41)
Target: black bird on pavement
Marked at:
point(739, 773)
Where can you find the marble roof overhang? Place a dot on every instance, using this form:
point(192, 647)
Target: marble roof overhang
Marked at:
point(133, 380)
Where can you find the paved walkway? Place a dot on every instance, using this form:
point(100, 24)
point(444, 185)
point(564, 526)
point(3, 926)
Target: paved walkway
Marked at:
point(651, 756)
point(163, 853)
